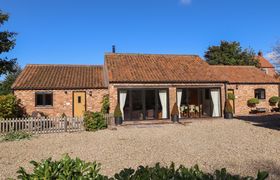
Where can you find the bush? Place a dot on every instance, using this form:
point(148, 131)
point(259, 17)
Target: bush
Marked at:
point(273, 100)
point(105, 104)
point(228, 107)
point(175, 111)
point(10, 107)
point(193, 173)
point(117, 112)
point(94, 121)
point(231, 96)
point(66, 168)
point(253, 102)
point(16, 136)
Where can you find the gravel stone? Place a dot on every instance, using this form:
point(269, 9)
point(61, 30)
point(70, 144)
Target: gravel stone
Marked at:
point(241, 147)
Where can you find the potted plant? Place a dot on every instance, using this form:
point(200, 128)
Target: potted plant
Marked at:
point(118, 115)
point(231, 96)
point(175, 113)
point(272, 102)
point(228, 110)
point(252, 103)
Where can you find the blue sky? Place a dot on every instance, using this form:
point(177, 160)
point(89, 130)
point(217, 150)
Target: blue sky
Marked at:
point(81, 31)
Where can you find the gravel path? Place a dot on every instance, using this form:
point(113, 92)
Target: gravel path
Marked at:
point(237, 145)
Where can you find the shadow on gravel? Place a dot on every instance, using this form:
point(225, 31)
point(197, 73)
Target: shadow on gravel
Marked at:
point(271, 121)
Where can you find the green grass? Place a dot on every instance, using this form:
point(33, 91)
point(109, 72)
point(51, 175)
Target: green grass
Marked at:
point(15, 136)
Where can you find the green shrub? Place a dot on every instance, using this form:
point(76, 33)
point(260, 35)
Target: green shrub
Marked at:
point(105, 104)
point(273, 100)
point(94, 121)
point(66, 168)
point(231, 96)
point(16, 136)
point(253, 102)
point(228, 107)
point(117, 112)
point(175, 110)
point(10, 107)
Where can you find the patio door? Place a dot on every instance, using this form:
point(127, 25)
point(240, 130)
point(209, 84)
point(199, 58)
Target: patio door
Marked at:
point(79, 104)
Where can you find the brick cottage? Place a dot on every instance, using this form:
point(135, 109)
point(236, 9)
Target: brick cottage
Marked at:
point(145, 86)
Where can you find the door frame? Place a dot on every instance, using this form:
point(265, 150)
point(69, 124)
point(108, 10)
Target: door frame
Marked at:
point(73, 104)
point(143, 94)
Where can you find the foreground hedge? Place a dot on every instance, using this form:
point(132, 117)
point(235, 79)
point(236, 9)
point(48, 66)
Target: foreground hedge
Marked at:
point(68, 168)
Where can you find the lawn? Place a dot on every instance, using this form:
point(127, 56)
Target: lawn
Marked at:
point(238, 145)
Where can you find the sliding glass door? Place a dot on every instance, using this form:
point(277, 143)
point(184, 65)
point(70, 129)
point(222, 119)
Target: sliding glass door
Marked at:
point(144, 104)
point(198, 102)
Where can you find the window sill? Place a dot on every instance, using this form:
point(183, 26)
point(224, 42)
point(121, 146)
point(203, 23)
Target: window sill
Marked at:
point(44, 107)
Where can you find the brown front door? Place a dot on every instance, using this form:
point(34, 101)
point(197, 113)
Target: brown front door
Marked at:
point(231, 91)
point(79, 104)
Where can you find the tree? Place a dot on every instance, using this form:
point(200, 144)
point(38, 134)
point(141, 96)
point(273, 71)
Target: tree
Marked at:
point(6, 84)
point(7, 43)
point(230, 53)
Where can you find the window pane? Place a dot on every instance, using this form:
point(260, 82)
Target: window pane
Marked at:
point(39, 99)
point(49, 99)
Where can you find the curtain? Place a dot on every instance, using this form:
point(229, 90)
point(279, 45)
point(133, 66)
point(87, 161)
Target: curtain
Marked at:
point(179, 98)
point(163, 101)
point(122, 101)
point(215, 96)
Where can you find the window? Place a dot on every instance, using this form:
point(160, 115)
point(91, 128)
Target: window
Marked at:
point(260, 93)
point(43, 99)
point(79, 99)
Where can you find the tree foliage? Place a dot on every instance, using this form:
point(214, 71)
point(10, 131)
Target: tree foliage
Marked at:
point(230, 53)
point(10, 107)
point(6, 84)
point(7, 43)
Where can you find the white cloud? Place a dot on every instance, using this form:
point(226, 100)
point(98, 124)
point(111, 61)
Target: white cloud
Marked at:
point(186, 2)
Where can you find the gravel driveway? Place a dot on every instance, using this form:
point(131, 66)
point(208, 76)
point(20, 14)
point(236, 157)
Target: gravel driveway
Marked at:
point(238, 145)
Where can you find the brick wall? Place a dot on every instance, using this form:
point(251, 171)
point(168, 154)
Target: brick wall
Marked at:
point(245, 92)
point(62, 101)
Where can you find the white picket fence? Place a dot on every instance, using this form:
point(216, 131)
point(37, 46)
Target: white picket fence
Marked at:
point(41, 125)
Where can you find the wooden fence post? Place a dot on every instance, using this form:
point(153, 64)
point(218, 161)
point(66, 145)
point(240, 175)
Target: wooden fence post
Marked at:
point(65, 124)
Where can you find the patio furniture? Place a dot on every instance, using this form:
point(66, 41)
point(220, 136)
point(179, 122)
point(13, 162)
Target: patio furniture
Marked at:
point(261, 110)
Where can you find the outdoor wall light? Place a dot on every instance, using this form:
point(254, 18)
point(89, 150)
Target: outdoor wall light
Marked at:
point(90, 93)
point(236, 87)
point(65, 92)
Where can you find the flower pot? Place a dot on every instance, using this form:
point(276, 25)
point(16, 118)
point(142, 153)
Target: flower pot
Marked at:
point(175, 118)
point(228, 115)
point(118, 120)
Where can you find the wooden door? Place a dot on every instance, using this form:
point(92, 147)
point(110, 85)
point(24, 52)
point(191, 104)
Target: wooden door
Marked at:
point(231, 91)
point(79, 104)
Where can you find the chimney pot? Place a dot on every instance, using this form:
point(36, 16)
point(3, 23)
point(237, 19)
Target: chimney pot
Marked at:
point(113, 49)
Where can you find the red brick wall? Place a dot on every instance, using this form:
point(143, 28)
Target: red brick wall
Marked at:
point(62, 102)
point(245, 92)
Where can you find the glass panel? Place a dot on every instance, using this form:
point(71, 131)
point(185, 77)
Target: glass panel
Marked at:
point(39, 100)
point(137, 105)
point(49, 99)
point(206, 103)
point(150, 100)
point(79, 99)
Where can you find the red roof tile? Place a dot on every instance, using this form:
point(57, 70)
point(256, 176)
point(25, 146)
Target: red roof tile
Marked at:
point(157, 68)
point(264, 63)
point(60, 77)
point(242, 74)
